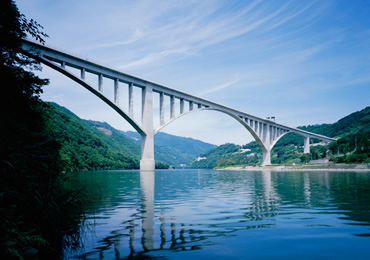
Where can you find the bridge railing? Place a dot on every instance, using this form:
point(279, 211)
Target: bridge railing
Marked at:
point(265, 131)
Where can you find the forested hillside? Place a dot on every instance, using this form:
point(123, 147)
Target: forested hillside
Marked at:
point(39, 212)
point(92, 145)
point(357, 122)
point(353, 145)
point(84, 147)
point(174, 150)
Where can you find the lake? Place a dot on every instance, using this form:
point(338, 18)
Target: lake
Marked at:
point(207, 214)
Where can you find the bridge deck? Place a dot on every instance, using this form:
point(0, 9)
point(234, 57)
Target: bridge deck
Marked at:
point(266, 132)
point(66, 59)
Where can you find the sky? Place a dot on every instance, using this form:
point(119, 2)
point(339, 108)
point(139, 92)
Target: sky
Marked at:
point(304, 62)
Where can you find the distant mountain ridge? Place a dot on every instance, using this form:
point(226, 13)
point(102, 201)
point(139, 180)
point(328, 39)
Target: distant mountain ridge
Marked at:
point(90, 145)
point(354, 123)
point(174, 150)
point(83, 147)
point(352, 131)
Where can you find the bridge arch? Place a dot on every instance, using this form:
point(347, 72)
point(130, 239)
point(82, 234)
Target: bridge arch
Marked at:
point(264, 131)
point(257, 139)
point(99, 94)
point(246, 126)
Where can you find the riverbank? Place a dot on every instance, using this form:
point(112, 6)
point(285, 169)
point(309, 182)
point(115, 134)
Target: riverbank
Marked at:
point(304, 167)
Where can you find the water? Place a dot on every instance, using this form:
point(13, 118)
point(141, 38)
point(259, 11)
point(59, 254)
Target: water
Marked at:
point(206, 214)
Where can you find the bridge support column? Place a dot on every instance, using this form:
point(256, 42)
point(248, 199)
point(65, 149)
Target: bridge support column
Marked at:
point(266, 158)
point(147, 162)
point(306, 145)
point(266, 150)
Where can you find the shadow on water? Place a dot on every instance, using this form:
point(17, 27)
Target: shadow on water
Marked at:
point(151, 215)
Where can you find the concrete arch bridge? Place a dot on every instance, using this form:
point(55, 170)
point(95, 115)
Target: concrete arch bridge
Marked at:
point(266, 132)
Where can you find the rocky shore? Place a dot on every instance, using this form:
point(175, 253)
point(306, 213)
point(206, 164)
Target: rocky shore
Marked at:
point(304, 167)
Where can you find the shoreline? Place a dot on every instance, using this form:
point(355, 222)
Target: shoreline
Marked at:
point(306, 167)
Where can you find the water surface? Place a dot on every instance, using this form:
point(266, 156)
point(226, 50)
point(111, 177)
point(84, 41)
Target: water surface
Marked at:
point(206, 214)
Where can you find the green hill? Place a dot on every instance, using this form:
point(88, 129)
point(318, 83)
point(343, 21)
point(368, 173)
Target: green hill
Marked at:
point(84, 147)
point(174, 150)
point(353, 145)
point(92, 145)
point(352, 131)
point(357, 122)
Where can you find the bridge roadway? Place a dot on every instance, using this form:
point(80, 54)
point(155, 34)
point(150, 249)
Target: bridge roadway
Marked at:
point(266, 132)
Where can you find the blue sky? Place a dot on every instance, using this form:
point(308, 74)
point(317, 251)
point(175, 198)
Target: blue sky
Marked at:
point(304, 62)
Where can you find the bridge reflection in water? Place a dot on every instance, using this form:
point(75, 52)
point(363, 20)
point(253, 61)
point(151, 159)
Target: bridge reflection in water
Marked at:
point(180, 234)
point(191, 210)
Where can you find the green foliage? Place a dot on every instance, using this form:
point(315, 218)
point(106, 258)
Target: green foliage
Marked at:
point(84, 147)
point(353, 123)
point(353, 146)
point(288, 154)
point(222, 162)
point(92, 145)
point(116, 141)
point(319, 152)
point(36, 211)
point(174, 150)
point(161, 165)
point(228, 155)
point(288, 139)
point(305, 158)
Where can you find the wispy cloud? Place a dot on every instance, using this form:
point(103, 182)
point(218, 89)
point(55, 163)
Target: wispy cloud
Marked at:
point(235, 79)
point(200, 25)
point(135, 37)
point(152, 58)
point(286, 54)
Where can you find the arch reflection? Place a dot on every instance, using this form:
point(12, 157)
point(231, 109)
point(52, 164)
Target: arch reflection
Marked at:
point(183, 211)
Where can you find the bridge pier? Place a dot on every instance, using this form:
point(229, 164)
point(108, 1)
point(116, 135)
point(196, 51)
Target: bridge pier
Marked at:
point(265, 146)
point(265, 131)
point(306, 144)
point(147, 162)
point(266, 158)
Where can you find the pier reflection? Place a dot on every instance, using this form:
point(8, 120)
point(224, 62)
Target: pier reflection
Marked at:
point(162, 229)
point(147, 182)
point(172, 211)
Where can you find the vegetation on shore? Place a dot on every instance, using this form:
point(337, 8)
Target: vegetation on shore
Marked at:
point(352, 146)
point(93, 145)
point(174, 150)
point(84, 147)
point(39, 212)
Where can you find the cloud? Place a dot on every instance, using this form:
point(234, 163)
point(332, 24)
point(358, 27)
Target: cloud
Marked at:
point(57, 98)
point(275, 56)
point(153, 58)
point(176, 29)
point(221, 87)
point(135, 37)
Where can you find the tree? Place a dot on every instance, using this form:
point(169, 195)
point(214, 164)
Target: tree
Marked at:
point(305, 158)
point(21, 88)
point(36, 209)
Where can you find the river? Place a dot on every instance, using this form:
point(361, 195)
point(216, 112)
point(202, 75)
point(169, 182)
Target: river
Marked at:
point(207, 214)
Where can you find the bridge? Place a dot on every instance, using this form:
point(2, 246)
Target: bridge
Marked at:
point(266, 132)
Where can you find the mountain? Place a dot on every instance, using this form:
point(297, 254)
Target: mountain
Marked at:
point(174, 150)
point(229, 155)
point(84, 147)
point(354, 123)
point(92, 145)
point(353, 145)
point(353, 134)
